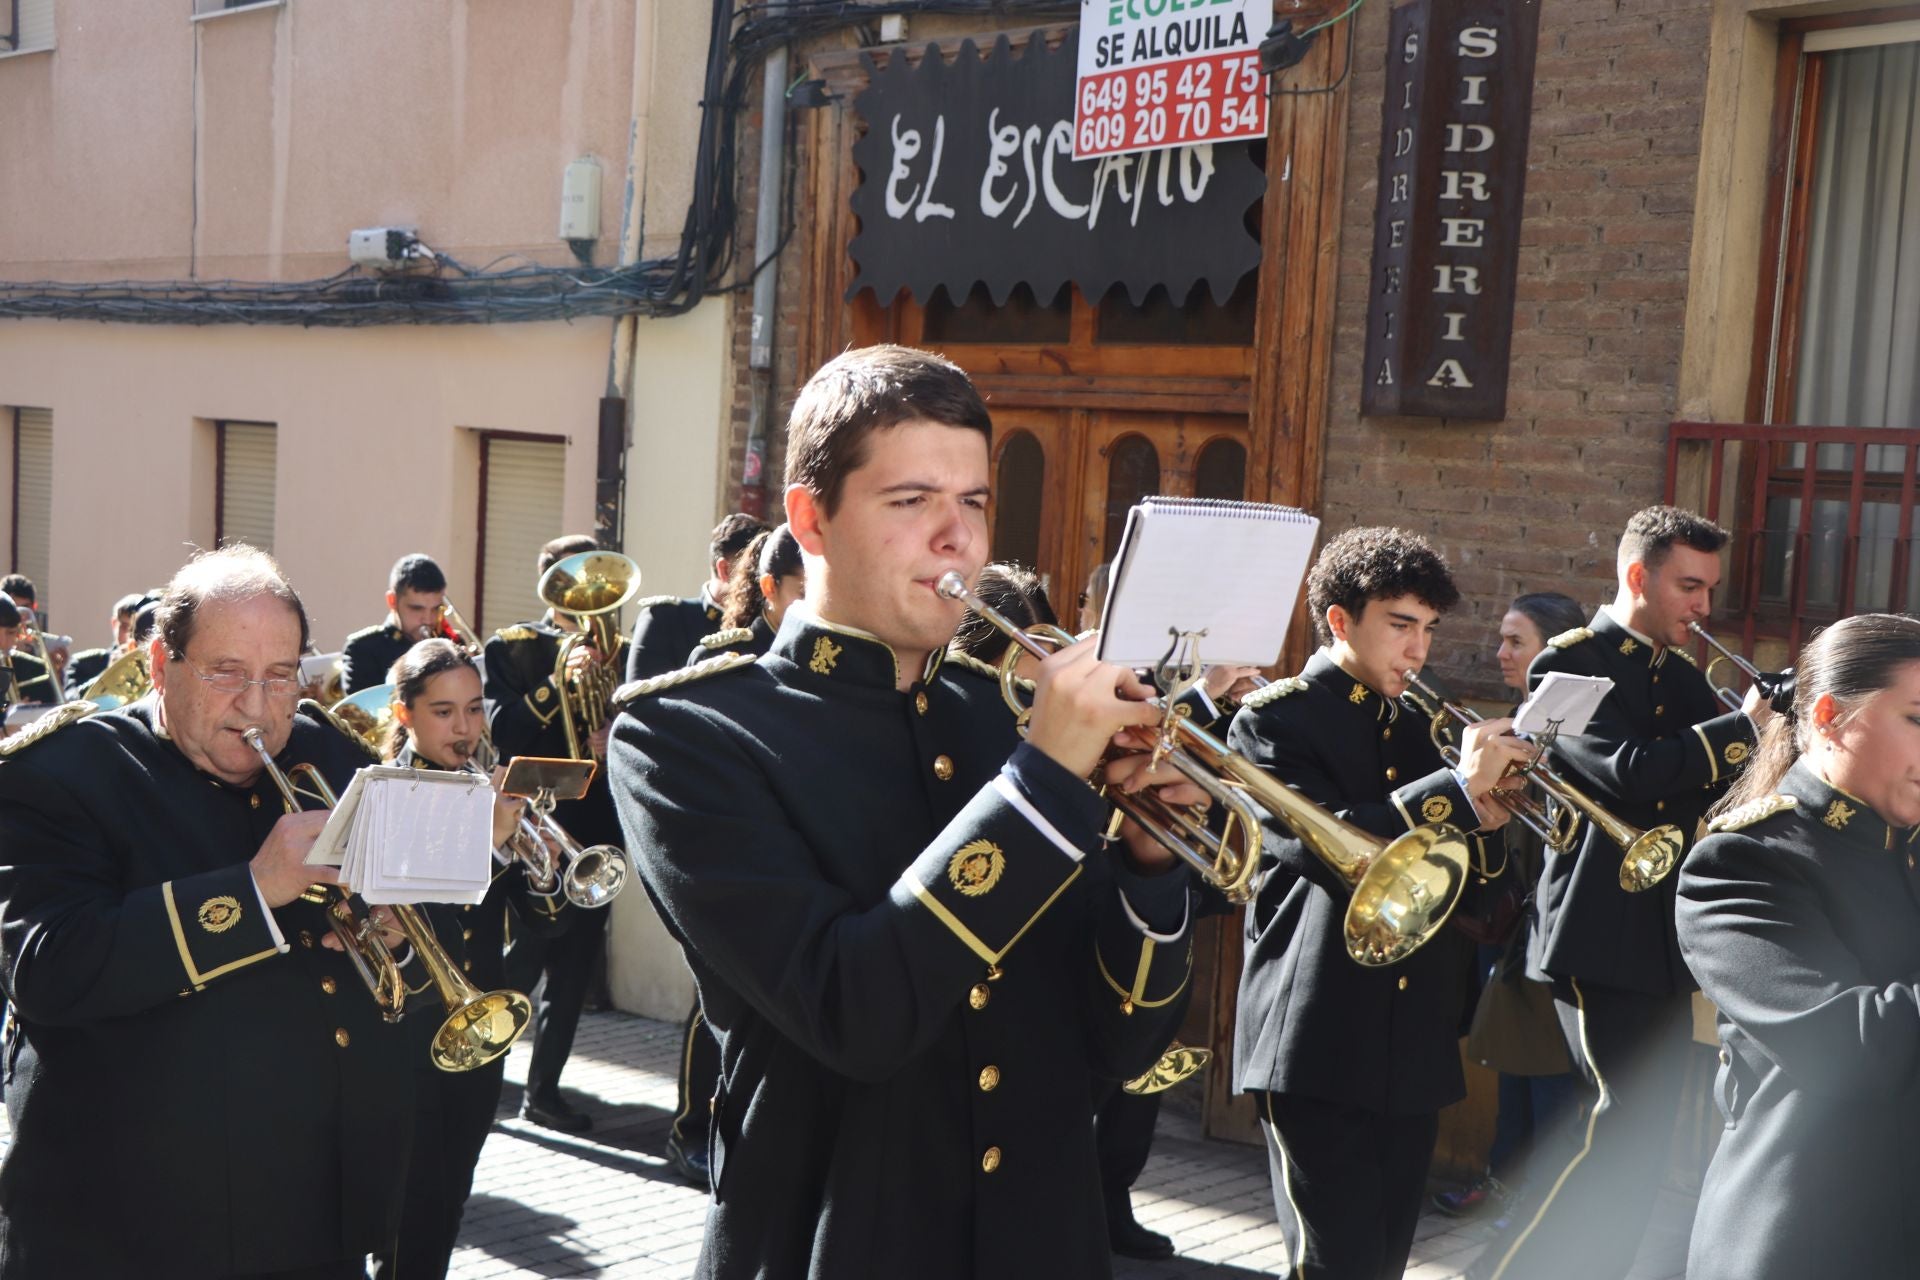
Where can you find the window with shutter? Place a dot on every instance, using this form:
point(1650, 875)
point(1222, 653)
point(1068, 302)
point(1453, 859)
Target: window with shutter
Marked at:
point(522, 488)
point(244, 510)
point(26, 25)
point(33, 497)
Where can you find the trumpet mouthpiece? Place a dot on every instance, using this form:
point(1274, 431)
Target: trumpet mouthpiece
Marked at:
point(951, 585)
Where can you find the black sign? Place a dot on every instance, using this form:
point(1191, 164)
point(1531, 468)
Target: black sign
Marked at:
point(967, 175)
point(1446, 222)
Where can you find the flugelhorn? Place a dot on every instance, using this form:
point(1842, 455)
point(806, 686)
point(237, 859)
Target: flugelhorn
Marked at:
point(1730, 697)
point(479, 1026)
point(1650, 856)
point(592, 587)
point(1403, 890)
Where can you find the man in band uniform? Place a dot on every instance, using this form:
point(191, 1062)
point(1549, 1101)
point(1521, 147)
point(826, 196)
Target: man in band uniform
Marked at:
point(1660, 750)
point(200, 1085)
point(523, 706)
point(667, 628)
point(416, 588)
point(916, 951)
point(1349, 1064)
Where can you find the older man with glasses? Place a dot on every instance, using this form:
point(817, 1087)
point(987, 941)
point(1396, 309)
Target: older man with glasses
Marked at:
point(199, 1084)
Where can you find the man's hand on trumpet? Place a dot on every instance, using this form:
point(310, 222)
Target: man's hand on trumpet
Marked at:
point(1488, 754)
point(279, 868)
point(1082, 710)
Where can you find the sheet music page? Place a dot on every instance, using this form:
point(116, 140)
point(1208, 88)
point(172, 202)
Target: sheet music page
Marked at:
point(430, 840)
point(1231, 569)
point(330, 850)
point(1565, 698)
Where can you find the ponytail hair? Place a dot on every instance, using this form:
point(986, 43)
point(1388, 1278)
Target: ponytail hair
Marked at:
point(773, 553)
point(410, 674)
point(1849, 661)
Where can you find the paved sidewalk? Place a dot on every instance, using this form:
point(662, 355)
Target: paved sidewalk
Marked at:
point(607, 1205)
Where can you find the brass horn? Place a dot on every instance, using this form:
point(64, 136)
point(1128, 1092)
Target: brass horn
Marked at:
point(1557, 825)
point(1730, 697)
point(479, 1026)
point(125, 679)
point(1403, 890)
point(590, 877)
point(455, 628)
point(368, 715)
point(1650, 855)
point(592, 586)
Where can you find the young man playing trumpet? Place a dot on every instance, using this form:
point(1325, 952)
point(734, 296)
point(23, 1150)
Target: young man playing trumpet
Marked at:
point(1658, 752)
point(416, 588)
point(917, 951)
point(1350, 1065)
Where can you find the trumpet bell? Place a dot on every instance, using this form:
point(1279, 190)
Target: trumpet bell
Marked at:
point(595, 876)
point(1406, 894)
point(480, 1030)
point(1650, 859)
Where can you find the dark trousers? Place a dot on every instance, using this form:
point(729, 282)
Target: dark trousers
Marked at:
point(565, 965)
point(453, 1114)
point(1592, 1192)
point(353, 1270)
point(1122, 1140)
point(1347, 1184)
point(699, 1081)
point(1530, 1111)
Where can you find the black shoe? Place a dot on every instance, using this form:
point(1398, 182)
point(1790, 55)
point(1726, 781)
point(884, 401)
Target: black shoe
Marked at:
point(690, 1162)
point(1131, 1240)
point(555, 1113)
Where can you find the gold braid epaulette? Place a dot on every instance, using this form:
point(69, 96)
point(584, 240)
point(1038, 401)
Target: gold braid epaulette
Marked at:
point(1743, 816)
point(1278, 689)
point(47, 725)
point(1567, 639)
point(648, 602)
point(730, 635)
point(515, 633)
point(636, 689)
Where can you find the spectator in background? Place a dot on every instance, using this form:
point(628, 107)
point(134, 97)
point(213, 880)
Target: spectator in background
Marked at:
point(1515, 1030)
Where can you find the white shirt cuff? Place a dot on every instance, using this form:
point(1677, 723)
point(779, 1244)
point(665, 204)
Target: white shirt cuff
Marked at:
point(273, 925)
point(1024, 807)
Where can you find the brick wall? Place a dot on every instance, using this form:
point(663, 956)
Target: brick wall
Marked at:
point(1536, 503)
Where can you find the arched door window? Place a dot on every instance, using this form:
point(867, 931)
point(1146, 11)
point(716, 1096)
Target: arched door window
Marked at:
point(1018, 490)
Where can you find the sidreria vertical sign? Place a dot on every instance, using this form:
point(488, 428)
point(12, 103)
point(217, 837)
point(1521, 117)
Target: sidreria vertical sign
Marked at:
point(1446, 238)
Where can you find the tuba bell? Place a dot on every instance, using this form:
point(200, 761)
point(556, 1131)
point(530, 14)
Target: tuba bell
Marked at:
point(125, 679)
point(367, 715)
point(591, 587)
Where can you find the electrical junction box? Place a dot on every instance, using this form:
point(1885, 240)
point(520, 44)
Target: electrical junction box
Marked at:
point(384, 248)
point(580, 201)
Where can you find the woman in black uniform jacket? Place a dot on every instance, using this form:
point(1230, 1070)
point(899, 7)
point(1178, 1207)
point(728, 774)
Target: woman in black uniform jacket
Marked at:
point(767, 577)
point(439, 720)
point(1800, 916)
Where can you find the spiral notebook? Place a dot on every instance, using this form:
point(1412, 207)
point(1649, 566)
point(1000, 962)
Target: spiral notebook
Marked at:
point(1229, 569)
point(406, 835)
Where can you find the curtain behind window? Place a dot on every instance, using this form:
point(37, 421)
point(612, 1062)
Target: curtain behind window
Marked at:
point(1858, 362)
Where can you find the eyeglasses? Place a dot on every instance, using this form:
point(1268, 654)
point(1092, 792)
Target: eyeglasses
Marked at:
point(234, 682)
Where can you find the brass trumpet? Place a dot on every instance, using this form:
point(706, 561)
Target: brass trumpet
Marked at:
point(455, 628)
point(1403, 890)
point(589, 877)
point(593, 587)
point(479, 1026)
point(30, 623)
point(1650, 855)
point(1557, 825)
point(1730, 697)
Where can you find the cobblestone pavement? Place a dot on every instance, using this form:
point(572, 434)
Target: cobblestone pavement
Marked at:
point(607, 1205)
